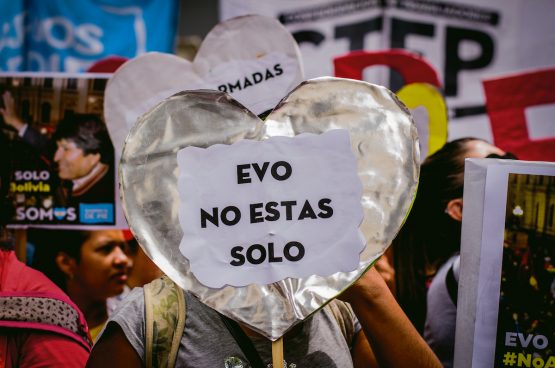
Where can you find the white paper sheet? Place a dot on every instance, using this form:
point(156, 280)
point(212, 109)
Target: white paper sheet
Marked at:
point(238, 216)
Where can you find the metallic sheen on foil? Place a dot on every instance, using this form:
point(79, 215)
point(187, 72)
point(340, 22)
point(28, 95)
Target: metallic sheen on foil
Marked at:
point(383, 139)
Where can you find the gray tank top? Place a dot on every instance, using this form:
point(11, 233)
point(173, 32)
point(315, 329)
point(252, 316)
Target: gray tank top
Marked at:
point(206, 342)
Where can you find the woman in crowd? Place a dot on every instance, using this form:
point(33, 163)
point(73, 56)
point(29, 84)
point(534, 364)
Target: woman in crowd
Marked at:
point(90, 266)
point(141, 273)
point(427, 246)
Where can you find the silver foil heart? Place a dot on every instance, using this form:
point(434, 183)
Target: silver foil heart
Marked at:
point(383, 139)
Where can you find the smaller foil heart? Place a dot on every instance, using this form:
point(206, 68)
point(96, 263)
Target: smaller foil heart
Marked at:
point(253, 58)
point(383, 138)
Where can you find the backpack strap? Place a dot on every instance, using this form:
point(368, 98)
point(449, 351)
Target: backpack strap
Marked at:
point(245, 344)
point(452, 285)
point(344, 316)
point(165, 322)
point(452, 280)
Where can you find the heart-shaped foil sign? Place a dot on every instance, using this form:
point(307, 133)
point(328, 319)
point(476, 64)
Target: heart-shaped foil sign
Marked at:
point(253, 58)
point(382, 138)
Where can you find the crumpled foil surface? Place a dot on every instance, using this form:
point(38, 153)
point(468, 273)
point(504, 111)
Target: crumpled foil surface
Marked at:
point(383, 138)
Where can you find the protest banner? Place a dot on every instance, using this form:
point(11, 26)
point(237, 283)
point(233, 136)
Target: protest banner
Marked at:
point(64, 170)
point(61, 36)
point(521, 109)
point(267, 228)
point(465, 41)
point(507, 277)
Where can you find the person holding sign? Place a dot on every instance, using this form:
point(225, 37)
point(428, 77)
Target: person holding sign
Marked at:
point(384, 336)
point(266, 224)
point(243, 220)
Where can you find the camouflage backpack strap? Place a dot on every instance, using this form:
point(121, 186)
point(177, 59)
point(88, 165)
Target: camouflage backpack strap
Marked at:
point(344, 316)
point(165, 321)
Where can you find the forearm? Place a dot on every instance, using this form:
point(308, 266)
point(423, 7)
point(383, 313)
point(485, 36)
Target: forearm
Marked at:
point(393, 339)
point(17, 124)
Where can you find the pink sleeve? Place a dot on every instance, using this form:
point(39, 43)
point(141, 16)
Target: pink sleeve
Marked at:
point(44, 349)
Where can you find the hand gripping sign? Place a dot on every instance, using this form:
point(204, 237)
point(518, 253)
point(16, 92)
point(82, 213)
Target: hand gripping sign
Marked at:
point(215, 198)
point(252, 58)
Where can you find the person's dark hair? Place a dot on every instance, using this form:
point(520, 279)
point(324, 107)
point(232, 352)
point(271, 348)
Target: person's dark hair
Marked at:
point(89, 133)
point(429, 236)
point(49, 243)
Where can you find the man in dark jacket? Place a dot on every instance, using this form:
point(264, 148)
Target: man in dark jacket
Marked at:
point(84, 156)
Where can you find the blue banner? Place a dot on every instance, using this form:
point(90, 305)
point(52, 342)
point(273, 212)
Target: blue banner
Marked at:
point(70, 36)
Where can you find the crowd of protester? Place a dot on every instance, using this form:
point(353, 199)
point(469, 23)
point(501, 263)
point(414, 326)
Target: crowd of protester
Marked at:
point(406, 320)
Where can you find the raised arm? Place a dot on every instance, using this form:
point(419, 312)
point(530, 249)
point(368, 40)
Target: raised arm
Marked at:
point(392, 338)
point(8, 112)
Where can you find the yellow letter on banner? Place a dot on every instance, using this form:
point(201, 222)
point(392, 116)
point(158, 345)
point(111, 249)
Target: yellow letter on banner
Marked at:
point(524, 359)
point(432, 129)
point(550, 363)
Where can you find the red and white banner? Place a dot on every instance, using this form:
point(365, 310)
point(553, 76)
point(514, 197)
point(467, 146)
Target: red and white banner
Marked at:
point(521, 109)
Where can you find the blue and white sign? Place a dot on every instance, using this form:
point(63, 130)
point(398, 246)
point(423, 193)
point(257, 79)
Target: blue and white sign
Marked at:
point(70, 36)
point(100, 213)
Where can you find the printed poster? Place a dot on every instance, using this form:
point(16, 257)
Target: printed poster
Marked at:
point(63, 161)
point(515, 324)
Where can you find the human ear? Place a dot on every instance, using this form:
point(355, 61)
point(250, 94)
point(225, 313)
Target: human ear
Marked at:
point(455, 208)
point(66, 264)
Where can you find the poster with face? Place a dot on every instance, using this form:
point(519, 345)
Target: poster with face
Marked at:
point(64, 172)
point(515, 324)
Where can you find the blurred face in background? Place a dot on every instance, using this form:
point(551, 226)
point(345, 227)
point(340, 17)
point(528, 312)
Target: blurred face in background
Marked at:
point(72, 162)
point(474, 149)
point(143, 271)
point(103, 267)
